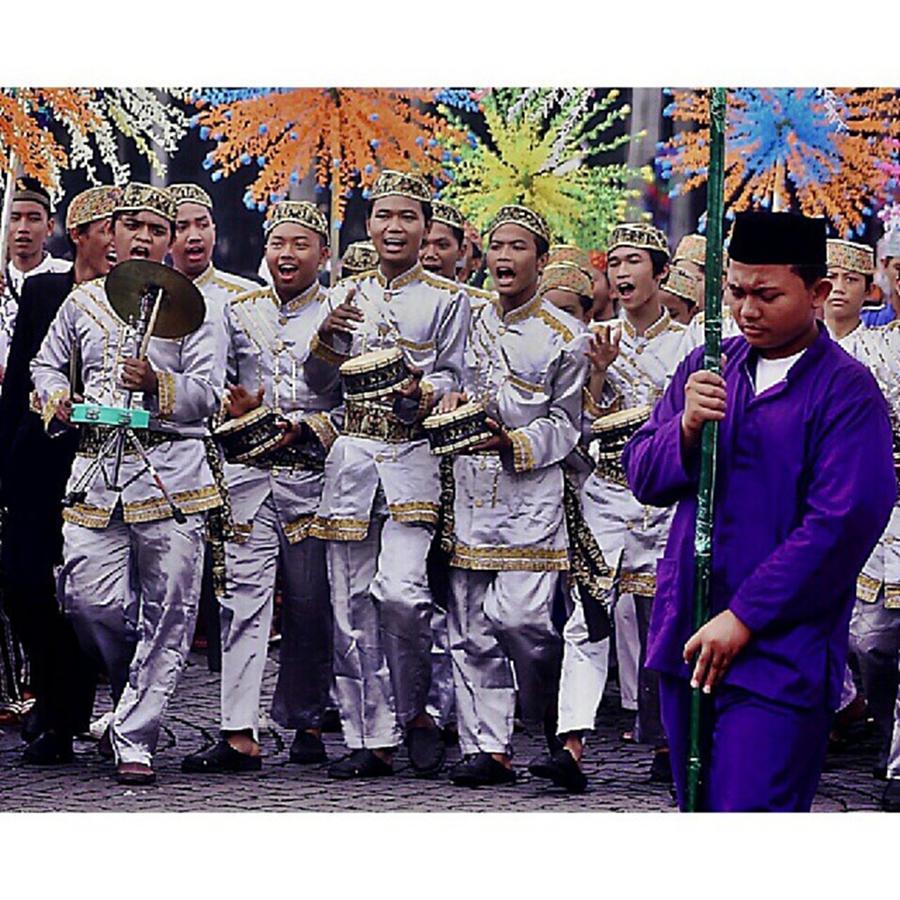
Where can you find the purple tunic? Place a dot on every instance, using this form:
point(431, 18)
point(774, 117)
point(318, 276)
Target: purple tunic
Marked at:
point(804, 487)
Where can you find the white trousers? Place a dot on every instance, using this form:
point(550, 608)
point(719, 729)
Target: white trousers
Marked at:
point(628, 649)
point(441, 696)
point(132, 591)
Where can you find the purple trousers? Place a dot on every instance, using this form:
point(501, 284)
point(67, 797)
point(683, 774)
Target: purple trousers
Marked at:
point(759, 755)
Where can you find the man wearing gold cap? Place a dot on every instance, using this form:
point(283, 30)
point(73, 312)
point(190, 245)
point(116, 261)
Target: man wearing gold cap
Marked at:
point(381, 496)
point(525, 362)
point(875, 624)
point(34, 473)
point(679, 293)
point(130, 580)
point(359, 257)
point(273, 500)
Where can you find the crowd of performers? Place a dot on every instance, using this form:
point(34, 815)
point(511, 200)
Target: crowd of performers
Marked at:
point(429, 586)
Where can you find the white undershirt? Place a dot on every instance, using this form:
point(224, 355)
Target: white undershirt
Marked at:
point(771, 371)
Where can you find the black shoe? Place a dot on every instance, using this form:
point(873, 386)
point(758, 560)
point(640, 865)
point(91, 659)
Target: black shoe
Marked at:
point(221, 757)
point(561, 769)
point(661, 767)
point(426, 750)
point(481, 769)
point(307, 749)
point(135, 774)
point(890, 801)
point(331, 722)
point(48, 749)
point(360, 764)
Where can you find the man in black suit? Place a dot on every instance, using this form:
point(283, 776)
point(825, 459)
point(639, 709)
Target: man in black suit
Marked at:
point(33, 473)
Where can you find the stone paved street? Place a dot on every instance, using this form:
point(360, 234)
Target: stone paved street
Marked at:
point(617, 772)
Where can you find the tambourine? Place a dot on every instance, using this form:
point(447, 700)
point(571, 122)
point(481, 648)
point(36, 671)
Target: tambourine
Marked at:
point(455, 431)
point(371, 376)
point(251, 436)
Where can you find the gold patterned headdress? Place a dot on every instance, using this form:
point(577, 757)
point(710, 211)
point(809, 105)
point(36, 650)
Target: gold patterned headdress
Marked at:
point(301, 212)
point(640, 235)
point(569, 253)
point(360, 256)
point(520, 215)
point(692, 247)
point(849, 255)
point(92, 205)
point(402, 184)
point(681, 284)
point(190, 193)
point(138, 197)
point(566, 276)
point(447, 214)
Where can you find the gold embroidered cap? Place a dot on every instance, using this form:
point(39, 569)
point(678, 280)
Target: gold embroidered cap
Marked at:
point(520, 215)
point(190, 193)
point(402, 184)
point(138, 197)
point(681, 284)
point(569, 253)
point(849, 255)
point(300, 212)
point(692, 247)
point(360, 256)
point(638, 234)
point(92, 205)
point(449, 215)
point(566, 276)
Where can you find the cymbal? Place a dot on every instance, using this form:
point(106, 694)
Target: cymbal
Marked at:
point(182, 308)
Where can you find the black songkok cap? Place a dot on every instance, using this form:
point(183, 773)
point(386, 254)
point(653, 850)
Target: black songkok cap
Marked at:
point(777, 239)
point(28, 188)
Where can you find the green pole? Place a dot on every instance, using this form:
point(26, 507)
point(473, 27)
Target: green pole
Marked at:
point(715, 183)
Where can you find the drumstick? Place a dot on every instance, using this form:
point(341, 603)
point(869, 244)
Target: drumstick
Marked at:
point(151, 324)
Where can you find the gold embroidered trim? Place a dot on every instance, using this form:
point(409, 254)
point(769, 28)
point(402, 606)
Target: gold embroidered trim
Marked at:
point(521, 312)
point(303, 298)
point(255, 294)
point(478, 293)
point(438, 281)
point(525, 385)
point(188, 502)
point(298, 530)
point(87, 515)
point(635, 583)
point(414, 274)
point(412, 345)
point(659, 326)
point(321, 427)
point(221, 279)
point(370, 421)
point(241, 531)
point(48, 411)
point(546, 316)
point(321, 350)
point(332, 529)
point(426, 401)
point(34, 403)
point(590, 405)
point(892, 596)
point(867, 588)
point(415, 511)
point(509, 559)
point(523, 453)
point(166, 394)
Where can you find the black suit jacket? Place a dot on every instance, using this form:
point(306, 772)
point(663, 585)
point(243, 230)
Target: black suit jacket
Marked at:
point(33, 467)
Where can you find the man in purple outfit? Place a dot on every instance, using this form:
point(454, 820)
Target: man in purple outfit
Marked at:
point(804, 487)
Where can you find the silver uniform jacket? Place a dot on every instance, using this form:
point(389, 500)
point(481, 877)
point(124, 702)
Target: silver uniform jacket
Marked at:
point(427, 317)
point(528, 368)
point(631, 536)
point(220, 288)
point(269, 348)
point(190, 372)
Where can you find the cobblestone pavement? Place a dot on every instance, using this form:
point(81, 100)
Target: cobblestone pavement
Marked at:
point(617, 773)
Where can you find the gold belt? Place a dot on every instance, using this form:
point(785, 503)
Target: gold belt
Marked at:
point(609, 468)
point(371, 421)
point(92, 438)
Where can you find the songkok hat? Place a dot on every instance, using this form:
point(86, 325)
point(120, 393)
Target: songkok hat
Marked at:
point(641, 235)
point(681, 284)
point(449, 215)
point(763, 238)
point(359, 257)
point(138, 197)
point(692, 247)
point(92, 205)
point(300, 212)
point(190, 193)
point(520, 215)
point(401, 184)
point(28, 188)
point(566, 276)
point(569, 253)
point(891, 245)
point(848, 255)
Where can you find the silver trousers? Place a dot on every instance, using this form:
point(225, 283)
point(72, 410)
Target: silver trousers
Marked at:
point(132, 591)
point(503, 641)
point(382, 629)
point(628, 649)
point(441, 696)
point(305, 653)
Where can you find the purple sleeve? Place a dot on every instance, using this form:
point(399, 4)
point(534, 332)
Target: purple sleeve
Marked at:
point(657, 473)
point(846, 507)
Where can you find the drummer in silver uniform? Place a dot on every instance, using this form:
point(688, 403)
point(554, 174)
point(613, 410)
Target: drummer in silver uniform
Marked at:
point(525, 362)
point(131, 574)
point(380, 502)
point(273, 500)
